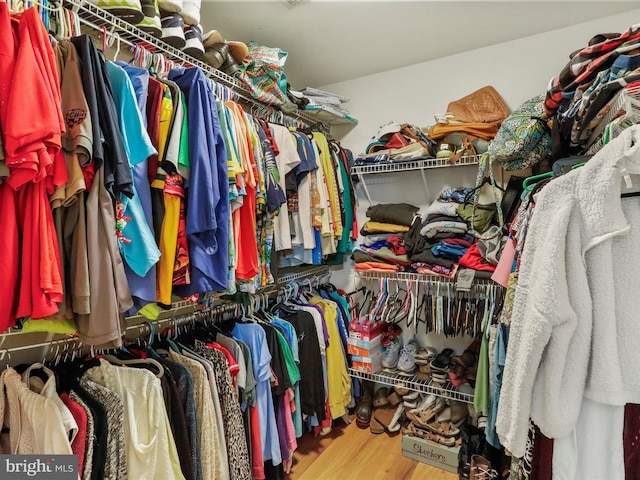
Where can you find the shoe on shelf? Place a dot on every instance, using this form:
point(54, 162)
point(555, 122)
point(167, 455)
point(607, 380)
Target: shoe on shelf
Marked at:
point(238, 50)
point(128, 10)
point(170, 6)
point(424, 355)
point(391, 356)
point(442, 360)
point(406, 362)
point(173, 30)
point(191, 12)
point(151, 22)
point(193, 37)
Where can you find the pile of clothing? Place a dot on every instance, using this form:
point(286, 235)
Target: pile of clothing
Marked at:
point(440, 237)
point(436, 241)
point(397, 142)
point(383, 247)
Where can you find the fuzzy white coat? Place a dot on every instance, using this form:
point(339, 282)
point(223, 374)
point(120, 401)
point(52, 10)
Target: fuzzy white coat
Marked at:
point(574, 330)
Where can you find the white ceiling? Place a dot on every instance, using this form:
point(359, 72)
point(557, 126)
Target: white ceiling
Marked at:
point(329, 42)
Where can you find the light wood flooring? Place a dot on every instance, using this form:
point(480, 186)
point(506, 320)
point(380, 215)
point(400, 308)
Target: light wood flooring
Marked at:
point(353, 453)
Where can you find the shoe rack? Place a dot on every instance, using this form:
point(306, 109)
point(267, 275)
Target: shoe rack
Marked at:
point(414, 383)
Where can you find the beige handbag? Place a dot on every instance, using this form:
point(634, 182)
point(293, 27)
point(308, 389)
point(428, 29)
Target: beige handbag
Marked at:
point(482, 106)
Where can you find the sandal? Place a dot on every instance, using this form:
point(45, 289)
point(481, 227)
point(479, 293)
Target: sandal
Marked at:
point(442, 360)
point(416, 431)
point(380, 397)
point(382, 418)
point(445, 429)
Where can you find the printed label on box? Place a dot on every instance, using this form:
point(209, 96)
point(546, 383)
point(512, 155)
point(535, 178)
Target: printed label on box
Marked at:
point(431, 453)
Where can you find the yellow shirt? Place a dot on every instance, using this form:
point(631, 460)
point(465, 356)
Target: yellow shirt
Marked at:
point(338, 380)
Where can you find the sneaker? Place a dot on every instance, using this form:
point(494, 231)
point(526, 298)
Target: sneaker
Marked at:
point(128, 10)
point(191, 12)
point(151, 21)
point(170, 6)
point(173, 30)
point(193, 37)
point(406, 363)
point(390, 356)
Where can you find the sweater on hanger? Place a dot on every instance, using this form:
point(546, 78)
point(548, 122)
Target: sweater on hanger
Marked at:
point(574, 328)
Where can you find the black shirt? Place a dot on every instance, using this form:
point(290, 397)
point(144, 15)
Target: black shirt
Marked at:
point(311, 378)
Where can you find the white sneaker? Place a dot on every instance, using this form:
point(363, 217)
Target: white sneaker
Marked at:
point(391, 355)
point(406, 363)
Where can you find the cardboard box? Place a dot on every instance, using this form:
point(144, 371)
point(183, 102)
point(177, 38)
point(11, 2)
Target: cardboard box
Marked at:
point(365, 348)
point(432, 453)
point(366, 330)
point(367, 364)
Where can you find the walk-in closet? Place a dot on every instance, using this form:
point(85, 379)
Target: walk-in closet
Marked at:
point(305, 240)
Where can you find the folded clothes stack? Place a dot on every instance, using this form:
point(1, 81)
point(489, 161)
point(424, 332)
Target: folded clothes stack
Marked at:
point(436, 241)
point(382, 247)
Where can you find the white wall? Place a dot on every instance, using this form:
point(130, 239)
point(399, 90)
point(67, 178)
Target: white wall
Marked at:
point(518, 70)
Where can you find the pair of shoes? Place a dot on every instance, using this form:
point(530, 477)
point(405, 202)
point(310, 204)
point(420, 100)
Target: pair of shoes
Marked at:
point(399, 358)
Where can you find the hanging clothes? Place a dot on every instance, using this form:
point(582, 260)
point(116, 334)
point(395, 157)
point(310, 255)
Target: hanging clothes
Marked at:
point(207, 218)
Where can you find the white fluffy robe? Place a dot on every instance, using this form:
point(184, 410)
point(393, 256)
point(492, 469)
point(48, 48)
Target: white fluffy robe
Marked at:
point(575, 324)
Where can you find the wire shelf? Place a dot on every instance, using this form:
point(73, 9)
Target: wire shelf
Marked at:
point(416, 277)
point(409, 165)
point(132, 34)
point(303, 272)
point(415, 384)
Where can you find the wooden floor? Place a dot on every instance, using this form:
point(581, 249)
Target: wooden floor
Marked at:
point(353, 453)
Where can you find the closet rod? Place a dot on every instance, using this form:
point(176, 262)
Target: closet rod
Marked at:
point(72, 343)
point(100, 17)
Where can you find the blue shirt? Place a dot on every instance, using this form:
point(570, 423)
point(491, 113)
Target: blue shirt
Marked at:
point(253, 335)
point(207, 191)
point(140, 250)
point(140, 80)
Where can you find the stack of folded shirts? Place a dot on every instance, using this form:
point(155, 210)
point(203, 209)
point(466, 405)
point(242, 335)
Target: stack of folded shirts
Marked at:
point(437, 241)
point(382, 246)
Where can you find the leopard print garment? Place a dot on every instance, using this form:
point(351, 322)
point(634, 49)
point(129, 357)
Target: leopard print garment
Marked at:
point(238, 452)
